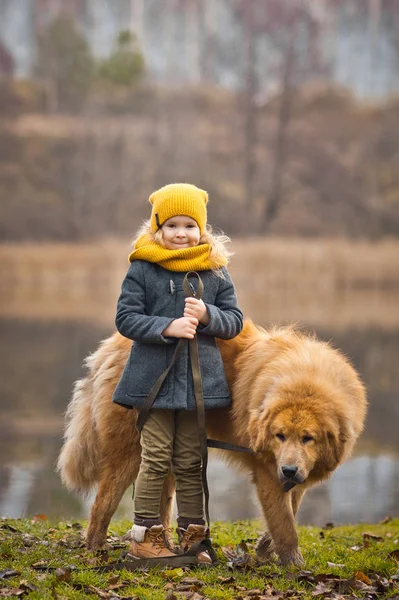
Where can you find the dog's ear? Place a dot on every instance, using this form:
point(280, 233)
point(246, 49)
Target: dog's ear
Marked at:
point(258, 429)
point(335, 442)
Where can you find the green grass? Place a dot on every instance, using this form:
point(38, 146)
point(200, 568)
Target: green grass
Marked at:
point(62, 545)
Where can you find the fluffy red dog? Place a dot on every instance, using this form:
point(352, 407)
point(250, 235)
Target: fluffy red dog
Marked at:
point(296, 401)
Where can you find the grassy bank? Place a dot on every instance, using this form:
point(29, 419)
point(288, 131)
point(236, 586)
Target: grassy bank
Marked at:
point(341, 562)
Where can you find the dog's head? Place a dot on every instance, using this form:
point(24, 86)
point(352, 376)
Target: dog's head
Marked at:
point(307, 436)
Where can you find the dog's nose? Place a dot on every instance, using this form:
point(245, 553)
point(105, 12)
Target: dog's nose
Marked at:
point(289, 471)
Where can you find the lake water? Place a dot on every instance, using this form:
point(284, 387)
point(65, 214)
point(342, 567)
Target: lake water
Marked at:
point(41, 357)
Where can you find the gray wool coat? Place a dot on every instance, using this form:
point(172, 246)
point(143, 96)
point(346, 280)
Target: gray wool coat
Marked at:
point(151, 298)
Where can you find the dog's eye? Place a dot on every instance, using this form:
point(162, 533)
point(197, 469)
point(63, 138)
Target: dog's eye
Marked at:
point(280, 436)
point(307, 438)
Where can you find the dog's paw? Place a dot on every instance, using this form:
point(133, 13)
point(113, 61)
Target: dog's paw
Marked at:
point(265, 547)
point(290, 557)
point(95, 542)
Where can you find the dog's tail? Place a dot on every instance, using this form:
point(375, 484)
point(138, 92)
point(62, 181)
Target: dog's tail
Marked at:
point(81, 458)
point(79, 462)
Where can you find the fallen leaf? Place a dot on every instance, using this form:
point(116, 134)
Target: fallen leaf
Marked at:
point(173, 573)
point(39, 517)
point(6, 592)
point(7, 527)
point(29, 539)
point(9, 573)
point(339, 565)
point(238, 558)
point(354, 584)
point(102, 556)
point(224, 580)
point(170, 595)
point(382, 584)
point(394, 554)
point(323, 577)
point(321, 589)
point(169, 586)
point(192, 581)
point(63, 574)
point(360, 576)
point(371, 536)
point(307, 576)
point(100, 593)
point(40, 564)
point(28, 587)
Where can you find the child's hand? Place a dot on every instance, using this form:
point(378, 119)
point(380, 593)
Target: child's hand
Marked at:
point(196, 308)
point(185, 327)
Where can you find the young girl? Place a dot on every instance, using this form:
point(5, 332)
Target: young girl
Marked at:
point(153, 311)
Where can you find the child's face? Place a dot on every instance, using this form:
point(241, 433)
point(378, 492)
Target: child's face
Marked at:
point(180, 232)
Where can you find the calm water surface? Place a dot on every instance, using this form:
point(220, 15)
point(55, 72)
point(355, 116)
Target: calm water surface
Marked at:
point(41, 358)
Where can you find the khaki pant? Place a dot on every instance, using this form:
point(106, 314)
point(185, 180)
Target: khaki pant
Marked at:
point(169, 438)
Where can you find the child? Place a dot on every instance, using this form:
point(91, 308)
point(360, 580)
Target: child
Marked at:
point(153, 311)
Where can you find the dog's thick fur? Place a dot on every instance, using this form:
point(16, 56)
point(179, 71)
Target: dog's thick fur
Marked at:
point(296, 402)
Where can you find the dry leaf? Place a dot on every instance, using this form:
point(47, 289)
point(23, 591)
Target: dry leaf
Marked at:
point(372, 537)
point(394, 554)
point(28, 587)
point(360, 576)
point(6, 592)
point(224, 580)
point(39, 517)
point(321, 589)
point(382, 584)
point(63, 574)
point(7, 527)
point(9, 573)
point(40, 564)
point(173, 573)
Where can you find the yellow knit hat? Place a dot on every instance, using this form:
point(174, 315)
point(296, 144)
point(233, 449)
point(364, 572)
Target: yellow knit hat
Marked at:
point(178, 199)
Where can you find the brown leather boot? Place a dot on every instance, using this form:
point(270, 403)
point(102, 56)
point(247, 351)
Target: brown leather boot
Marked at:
point(188, 537)
point(149, 543)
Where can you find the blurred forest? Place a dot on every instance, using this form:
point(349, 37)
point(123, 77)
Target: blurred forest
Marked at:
point(284, 148)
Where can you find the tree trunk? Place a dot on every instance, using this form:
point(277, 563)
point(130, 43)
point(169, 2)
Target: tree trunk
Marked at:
point(250, 110)
point(280, 153)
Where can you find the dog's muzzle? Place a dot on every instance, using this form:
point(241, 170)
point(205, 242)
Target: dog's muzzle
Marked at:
point(290, 476)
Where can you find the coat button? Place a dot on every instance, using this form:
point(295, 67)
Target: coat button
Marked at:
point(172, 286)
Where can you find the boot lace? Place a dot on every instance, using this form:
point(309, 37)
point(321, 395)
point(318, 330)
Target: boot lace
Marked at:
point(190, 537)
point(159, 539)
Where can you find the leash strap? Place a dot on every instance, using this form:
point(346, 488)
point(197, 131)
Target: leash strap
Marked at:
point(198, 392)
point(227, 446)
point(149, 401)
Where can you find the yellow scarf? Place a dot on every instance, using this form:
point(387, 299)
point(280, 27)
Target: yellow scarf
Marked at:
point(195, 258)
